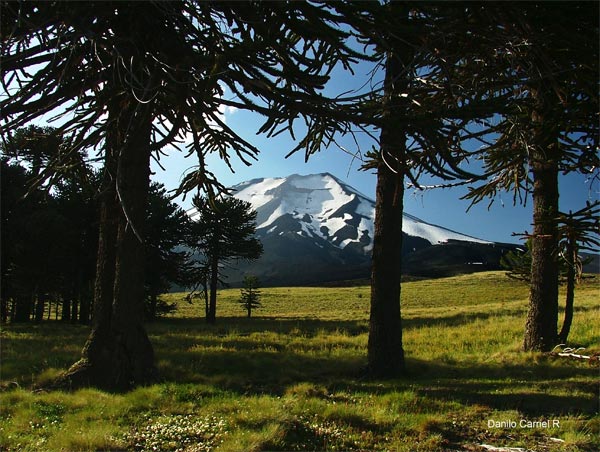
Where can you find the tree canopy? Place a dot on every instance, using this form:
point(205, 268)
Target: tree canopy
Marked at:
point(222, 232)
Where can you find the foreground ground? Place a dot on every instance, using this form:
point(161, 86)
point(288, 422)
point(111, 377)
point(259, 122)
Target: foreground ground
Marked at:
point(291, 378)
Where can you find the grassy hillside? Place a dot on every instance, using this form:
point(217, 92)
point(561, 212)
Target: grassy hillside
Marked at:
point(291, 378)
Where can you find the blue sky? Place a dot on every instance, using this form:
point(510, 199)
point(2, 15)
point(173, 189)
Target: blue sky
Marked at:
point(441, 206)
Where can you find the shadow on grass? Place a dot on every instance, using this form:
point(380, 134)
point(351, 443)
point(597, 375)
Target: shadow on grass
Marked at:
point(268, 356)
point(235, 357)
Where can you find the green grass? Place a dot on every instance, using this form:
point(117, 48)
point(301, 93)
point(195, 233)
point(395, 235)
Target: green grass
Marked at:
point(291, 378)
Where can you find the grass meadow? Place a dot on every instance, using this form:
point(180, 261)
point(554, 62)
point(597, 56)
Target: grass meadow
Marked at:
point(291, 378)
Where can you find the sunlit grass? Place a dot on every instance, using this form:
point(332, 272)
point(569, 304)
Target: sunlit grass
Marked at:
point(292, 378)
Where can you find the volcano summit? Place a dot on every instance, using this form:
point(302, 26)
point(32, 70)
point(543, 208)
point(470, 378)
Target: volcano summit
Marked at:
point(316, 228)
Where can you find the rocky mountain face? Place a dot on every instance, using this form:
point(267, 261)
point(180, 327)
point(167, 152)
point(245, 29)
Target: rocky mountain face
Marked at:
point(317, 229)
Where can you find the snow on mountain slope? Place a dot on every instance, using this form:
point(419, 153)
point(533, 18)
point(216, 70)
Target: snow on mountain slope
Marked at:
point(322, 207)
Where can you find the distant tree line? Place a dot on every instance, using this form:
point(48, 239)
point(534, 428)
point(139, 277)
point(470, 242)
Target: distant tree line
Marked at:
point(48, 238)
point(50, 235)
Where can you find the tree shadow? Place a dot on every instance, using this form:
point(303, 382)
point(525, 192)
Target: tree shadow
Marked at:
point(266, 355)
point(235, 357)
point(465, 318)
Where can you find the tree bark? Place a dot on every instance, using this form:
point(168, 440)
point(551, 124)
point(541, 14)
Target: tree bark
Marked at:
point(571, 253)
point(66, 309)
point(118, 354)
point(542, 317)
point(211, 316)
point(74, 310)
point(40, 306)
point(22, 308)
point(385, 350)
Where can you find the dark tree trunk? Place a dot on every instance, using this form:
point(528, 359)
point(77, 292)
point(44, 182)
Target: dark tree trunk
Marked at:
point(571, 253)
point(118, 354)
point(542, 317)
point(84, 306)
point(3, 310)
point(152, 307)
point(385, 351)
point(22, 309)
point(74, 310)
point(211, 316)
point(66, 310)
point(206, 298)
point(40, 307)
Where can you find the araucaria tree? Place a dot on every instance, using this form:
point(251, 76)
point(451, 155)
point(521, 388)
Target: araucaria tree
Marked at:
point(543, 63)
point(250, 294)
point(60, 221)
point(130, 78)
point(167, 262)
point(422, 129)
point(222, 232)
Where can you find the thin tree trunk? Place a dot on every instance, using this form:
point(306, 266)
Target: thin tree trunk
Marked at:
point(214, 281)
point(22, 308)
point(385, 351)
point(206, 300)
point(74, 310)
point(85, 305)
point(3, 310)
point(571, 253)
point(40, 307)
point(66, 309)
point(153, 303)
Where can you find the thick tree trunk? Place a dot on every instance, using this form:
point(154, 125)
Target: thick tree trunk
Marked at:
point(118, 354)
point(385, 351)
point(542, 317)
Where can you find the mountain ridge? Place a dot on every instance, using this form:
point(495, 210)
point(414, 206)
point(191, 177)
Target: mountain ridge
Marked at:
point(273, 197)
point(316, 228)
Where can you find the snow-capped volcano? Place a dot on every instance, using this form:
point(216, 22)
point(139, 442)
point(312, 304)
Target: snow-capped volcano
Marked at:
point(317, 229)
point(322, 207)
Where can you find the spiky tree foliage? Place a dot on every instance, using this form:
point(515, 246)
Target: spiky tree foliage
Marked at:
point(578, 231)
point(423, 126)
point(515, 88)
point(48, 237)
point(469, 82)
point(132, 77)
point(167, 263)
point(250, 294)
point(542, 61)
point(223, 232)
